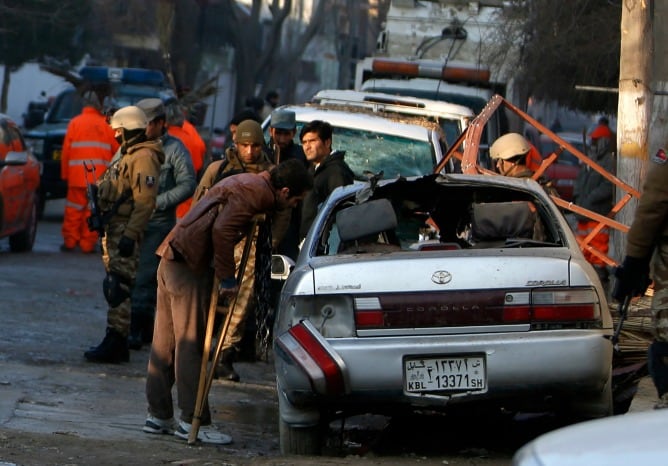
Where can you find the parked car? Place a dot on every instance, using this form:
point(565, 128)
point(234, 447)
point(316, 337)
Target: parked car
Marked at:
point(19, 188)
point(565, 169)
point(634, 438)
point(439, 292)
point(128, 85)
point(400, 146)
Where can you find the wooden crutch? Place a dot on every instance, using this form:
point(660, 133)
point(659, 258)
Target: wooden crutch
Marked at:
point(206, 371)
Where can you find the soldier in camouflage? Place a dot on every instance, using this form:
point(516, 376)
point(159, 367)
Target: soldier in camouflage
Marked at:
point(246, 156)
point(127, 195)
point(647, 248)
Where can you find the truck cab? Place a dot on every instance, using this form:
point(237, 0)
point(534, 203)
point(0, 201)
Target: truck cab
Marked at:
point(127, 86)
point(454, 82)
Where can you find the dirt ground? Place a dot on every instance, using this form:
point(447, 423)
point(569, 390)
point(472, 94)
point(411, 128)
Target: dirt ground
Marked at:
point(57, 409)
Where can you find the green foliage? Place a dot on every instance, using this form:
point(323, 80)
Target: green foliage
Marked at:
point(32, 29)
point(563, 44)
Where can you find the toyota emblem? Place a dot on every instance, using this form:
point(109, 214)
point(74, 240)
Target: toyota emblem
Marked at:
point(441, 277)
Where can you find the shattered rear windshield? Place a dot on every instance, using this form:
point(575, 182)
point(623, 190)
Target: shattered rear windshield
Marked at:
point(424, 215)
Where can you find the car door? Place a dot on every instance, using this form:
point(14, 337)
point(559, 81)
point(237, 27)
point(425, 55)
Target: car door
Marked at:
point(15, 194)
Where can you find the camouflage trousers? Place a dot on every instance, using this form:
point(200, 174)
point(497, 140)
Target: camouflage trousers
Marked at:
point(118, 317)
point(660, 299)
point(245, 300)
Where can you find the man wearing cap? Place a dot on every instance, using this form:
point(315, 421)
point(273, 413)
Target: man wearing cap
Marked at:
point(89, 140)
point(282, 147)
point(176, 183)
point(245, 156)
point(126, 196)
point(282, 130)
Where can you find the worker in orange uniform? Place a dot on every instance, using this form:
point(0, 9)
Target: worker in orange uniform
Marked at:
point(89, 140)
point(180, 128)
point(602, 130)
point(594, 192)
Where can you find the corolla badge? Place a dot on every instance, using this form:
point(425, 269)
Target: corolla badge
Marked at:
point(441, 277)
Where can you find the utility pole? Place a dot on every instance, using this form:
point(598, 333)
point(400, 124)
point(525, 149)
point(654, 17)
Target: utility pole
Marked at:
point(635, 104)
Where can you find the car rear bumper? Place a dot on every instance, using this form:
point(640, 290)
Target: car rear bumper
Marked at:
point(520, 367)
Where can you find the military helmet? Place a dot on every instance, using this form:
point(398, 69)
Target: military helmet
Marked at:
point(509, 146)
point(130, 117)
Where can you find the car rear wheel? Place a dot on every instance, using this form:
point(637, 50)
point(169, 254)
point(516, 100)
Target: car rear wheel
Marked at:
point(23, 241)
point(299, 440)
point(591, 407)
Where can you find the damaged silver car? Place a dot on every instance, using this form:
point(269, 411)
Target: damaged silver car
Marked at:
point(441, 293)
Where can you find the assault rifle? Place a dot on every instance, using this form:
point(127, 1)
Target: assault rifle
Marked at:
point(95, 220)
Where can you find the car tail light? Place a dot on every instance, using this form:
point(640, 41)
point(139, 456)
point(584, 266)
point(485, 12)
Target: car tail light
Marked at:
point(544, 308)
point(310, 351)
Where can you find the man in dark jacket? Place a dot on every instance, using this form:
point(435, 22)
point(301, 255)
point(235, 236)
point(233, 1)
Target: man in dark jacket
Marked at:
point(198, 252)
point(328, 167)
point(593, 192)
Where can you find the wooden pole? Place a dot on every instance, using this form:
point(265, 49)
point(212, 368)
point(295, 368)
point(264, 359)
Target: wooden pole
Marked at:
point(635, 105)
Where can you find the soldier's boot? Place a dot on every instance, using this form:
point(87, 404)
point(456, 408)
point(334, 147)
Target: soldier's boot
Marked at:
point(134, 338)
point(113, 349)
point(224, 369)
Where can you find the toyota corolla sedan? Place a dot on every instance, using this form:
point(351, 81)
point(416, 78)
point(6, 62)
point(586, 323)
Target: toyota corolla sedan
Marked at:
point(439, 293)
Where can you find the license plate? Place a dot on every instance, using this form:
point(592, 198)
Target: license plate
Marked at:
point(445, 374)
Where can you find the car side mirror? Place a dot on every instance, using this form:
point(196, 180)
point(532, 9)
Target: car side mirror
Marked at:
point(15, 158)
point(281, 266)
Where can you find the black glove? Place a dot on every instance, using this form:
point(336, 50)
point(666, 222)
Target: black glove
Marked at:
point(126, 246)
point(632, 278)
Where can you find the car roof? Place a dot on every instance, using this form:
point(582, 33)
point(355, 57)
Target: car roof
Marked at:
point(360, 118)
point(394, 103)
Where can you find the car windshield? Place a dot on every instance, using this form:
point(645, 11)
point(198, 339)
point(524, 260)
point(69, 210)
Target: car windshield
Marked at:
point(371, 151)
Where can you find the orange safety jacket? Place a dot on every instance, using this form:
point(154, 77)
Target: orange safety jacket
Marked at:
point(90, 139)
point(192, 143)
point(198, 142)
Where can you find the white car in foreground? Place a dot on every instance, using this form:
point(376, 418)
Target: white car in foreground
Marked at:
point(628, 440)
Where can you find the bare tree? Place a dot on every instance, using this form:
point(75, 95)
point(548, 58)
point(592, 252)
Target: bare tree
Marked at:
point(261, 57)
point(552, 46)
point(32, 29)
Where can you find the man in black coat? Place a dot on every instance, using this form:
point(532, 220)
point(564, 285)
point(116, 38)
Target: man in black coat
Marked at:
point(328, 167)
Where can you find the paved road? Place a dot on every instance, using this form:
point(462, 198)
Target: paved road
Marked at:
point(53, 402)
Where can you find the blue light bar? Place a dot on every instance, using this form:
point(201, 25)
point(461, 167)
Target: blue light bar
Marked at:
point(103, 74)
